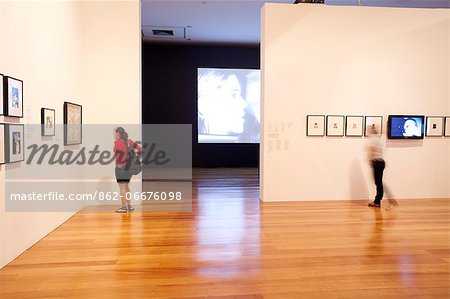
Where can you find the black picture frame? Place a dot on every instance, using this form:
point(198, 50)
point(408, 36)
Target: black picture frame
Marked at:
point(10, 143)
point(3, 142)
point(366, 134)
point(441, 133)
point(447, 126)
point(44, 121)
point(7, 104)
point(347, 122)
point(308, 126)
point(70, 126)
point(341, 131)
point(2, 94)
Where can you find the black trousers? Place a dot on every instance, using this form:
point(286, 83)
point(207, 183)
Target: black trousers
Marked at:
point(378, 166)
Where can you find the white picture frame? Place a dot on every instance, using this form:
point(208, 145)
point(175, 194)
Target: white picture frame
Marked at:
point(354, 126)
point(434, 126)
point(373, 123)
point(315, 125)
point(335, 125)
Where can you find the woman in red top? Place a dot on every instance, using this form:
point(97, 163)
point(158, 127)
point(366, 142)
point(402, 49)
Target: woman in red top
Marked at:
point(122, 175)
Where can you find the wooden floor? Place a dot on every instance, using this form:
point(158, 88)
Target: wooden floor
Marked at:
point(233, 246)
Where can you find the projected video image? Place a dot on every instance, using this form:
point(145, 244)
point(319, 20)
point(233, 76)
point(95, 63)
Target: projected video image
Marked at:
point(228, 105)
point(406, 126)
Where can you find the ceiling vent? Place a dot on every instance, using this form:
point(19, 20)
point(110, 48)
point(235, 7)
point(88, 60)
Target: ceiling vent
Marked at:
point(163, 33)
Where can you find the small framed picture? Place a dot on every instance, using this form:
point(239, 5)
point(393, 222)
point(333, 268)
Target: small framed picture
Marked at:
point(2, 94)
point(47, 122)
point(13, 97)
point(73, 115)
point(373, 126)
point(2, 145)
point(447, 126)
point(354, 126)
point(335, 125)
point(315, 125)
point(14, 143)
point(435, 126)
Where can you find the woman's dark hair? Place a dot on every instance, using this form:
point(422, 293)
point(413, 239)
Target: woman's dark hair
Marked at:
point(123, 134)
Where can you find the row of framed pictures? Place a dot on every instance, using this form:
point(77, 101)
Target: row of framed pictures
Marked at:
point(12, 135)
point(11, 96)
point(339, 125)
point(13, 138)
point(73, 116)
point(358, 126)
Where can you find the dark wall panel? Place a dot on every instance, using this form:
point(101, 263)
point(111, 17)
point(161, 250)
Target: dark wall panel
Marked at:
point(169, 95)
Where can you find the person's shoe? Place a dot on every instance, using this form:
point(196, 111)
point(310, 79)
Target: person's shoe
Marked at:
point(130, 208)
point(122, 210)
point(374, 205)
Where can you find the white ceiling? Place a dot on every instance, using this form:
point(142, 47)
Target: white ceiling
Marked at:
point(231, 21)
point(212, 21)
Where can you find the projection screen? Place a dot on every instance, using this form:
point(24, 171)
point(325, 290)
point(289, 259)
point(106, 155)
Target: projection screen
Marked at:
point(228, 105)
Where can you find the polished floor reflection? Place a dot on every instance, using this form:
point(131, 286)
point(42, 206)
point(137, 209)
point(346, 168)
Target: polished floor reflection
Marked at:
point(233, 246)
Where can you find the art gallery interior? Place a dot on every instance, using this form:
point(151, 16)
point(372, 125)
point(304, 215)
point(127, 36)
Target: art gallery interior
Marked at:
point(263, 126)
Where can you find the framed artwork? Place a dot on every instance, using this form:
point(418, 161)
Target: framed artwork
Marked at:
point(2, 94)
point(354, 126)
point(2, 144)
point(14, 145)
point(315, 125)
point(47, 122)
point(13, 104)
point(373, 126)
point(435, 126)
point(447, 127)
point(335, 125)
point(73, 114)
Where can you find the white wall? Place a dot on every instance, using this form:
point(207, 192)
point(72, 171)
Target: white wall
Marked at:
point(319, 59)
point(112, 77)
point(112, 60)
point(85, 52)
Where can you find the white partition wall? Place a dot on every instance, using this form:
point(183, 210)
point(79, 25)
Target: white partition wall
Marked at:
point(369, 61)
point(87, 52)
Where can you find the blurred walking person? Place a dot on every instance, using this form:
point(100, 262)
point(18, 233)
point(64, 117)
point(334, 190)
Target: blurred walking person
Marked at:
point(376, 161)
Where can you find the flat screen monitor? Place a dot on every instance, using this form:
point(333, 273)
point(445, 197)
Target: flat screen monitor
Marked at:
point(228, 105)
point(406, 126)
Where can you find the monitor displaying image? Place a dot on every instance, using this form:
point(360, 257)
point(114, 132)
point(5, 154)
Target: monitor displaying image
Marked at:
point(406, 126)
point(228, 105)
